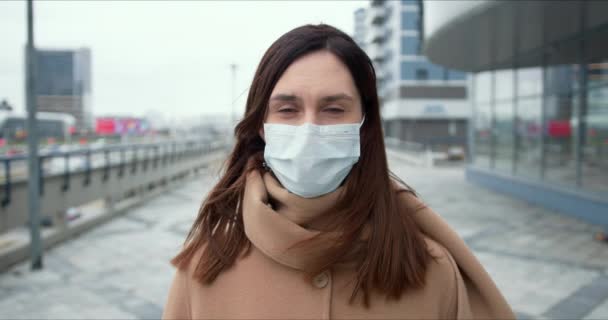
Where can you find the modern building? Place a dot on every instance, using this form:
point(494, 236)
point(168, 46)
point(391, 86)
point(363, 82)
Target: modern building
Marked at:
point(540, 96)
point(421, 102)
point(360, 27)
point(63, 84)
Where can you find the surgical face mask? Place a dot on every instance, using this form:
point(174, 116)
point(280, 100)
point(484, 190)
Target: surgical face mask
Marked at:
point(311, 160)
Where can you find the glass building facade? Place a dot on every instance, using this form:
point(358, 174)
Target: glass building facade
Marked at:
point(547, 122)
point(55, 73)
point(539, 126)
point(63, 84)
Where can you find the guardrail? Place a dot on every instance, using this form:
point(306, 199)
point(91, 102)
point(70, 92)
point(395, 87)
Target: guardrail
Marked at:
point(73, 178)
point(415, 153)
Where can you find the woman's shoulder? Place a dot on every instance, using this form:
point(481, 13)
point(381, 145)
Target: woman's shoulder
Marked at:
point(442, 263)
point(406, 196)
point(185, 268)
point(442, 280)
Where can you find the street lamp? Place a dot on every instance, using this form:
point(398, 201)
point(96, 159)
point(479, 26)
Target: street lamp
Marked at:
point(32, 144)
point(232, 97)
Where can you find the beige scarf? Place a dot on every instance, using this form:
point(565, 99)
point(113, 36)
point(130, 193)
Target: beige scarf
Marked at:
point(276, 229)
point(279, 229)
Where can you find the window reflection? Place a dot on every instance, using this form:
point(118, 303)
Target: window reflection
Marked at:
point(560, 142)
point(504, 84)
point(482, 135)
point(595, 146)
point(529, 81)
point(483, 86)
point(528, 131)
point(503, 136)
point(597, 60)
point(598, 73)
point(410, 20)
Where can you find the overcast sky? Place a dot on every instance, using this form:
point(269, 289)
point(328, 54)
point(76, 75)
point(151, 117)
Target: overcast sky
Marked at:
point(166, 56)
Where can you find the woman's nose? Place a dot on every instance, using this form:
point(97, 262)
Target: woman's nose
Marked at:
point(310, 117)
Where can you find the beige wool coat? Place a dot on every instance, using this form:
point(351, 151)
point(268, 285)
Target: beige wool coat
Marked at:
point(268, 282)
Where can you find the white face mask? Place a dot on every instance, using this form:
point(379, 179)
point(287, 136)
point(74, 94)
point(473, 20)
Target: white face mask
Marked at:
point(311, 160)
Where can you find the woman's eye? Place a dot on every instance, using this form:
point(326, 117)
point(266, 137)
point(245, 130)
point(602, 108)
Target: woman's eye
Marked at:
point(334, 110)
point(287, 110)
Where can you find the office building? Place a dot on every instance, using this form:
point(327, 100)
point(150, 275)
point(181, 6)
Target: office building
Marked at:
point(540, 96)
point(63, 84)
point(421, 102)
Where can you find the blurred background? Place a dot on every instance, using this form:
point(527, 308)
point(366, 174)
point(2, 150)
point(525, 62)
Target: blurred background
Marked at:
point(496, 112)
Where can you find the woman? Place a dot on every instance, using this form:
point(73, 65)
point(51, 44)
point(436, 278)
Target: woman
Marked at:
point(307, 222)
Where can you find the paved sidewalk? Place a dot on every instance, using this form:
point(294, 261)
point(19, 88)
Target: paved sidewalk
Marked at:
point(547, 265)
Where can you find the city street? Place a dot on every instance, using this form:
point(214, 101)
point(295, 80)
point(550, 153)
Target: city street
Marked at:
point(547, 265)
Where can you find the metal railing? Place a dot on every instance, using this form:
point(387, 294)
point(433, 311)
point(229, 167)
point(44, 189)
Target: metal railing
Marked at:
point(416, 153)
point(70, 178)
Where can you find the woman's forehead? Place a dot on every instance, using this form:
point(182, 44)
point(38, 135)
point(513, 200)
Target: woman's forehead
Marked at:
point(319, 73)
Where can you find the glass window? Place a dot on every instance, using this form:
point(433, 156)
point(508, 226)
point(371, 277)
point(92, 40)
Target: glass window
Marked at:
point(597, 59)
point(482, 135)
point(529, 81)
point(483, 86)
point(410, 45)
point(561, 79)
point(598, 73)
point(409, 70)
point(562, 71)
point(409, 1)
point(456, 75)
point(422, 74)
point(504, 84)
point(435, 71)
point(410, 20)
point(528, 133)
point(595, 146)
point(560, 160)
point(503, 136)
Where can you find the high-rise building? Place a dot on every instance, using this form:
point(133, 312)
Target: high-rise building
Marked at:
point(539, 95)
point(63, 84)
point(421, 102)
point(360, 27)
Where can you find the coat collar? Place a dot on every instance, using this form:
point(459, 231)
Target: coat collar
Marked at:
point(278, 222)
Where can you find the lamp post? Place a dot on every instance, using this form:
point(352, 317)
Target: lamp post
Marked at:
point(233, 67)
point(32, 144)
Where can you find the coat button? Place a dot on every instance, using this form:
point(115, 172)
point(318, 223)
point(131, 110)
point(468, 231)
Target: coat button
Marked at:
point(321, 280)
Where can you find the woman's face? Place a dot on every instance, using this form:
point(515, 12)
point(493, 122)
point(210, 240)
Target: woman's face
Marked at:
point(316, 88)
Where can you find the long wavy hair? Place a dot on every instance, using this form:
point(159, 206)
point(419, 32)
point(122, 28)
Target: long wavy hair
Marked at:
point(391, 257)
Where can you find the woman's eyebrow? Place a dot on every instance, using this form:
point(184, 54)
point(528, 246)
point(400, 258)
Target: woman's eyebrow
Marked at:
point(284, 97)
point(336, 97)
point(292, 98)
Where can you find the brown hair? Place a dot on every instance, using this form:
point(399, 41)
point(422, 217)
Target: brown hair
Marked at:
point(393, 258)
